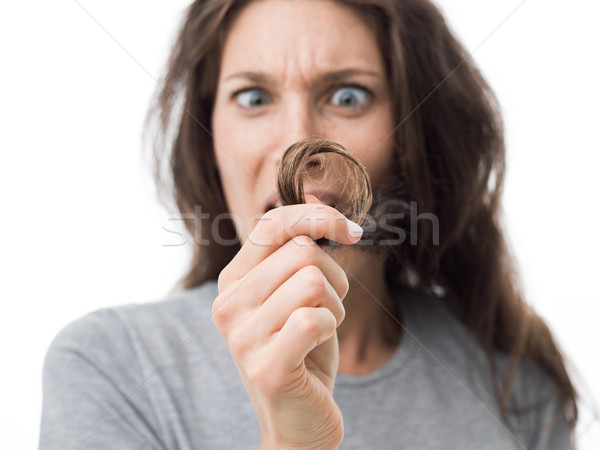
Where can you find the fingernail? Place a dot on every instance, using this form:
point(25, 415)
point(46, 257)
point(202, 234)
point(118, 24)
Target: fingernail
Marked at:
point(354, 229)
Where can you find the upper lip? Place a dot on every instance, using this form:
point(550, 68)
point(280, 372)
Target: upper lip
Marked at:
point(325, 197)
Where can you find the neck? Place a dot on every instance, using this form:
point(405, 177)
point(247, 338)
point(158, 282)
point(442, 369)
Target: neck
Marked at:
point(370, 332)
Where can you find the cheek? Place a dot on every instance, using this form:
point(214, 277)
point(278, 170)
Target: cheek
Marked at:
point(374, 145)
point(228, 143)
point(220, 130)
point(237, 141)
point(229, 160)
point(379, 165)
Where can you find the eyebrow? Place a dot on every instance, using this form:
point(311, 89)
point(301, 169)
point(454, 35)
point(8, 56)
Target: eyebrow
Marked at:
point(330, 77)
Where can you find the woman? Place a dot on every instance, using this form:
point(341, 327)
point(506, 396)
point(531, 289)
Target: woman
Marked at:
point(426, 343)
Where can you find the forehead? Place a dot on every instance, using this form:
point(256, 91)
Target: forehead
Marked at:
point(271, 35)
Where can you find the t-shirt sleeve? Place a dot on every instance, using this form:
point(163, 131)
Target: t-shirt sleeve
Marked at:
point(93, 389)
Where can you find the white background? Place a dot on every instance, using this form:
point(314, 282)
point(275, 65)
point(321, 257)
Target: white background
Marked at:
point(81, 229)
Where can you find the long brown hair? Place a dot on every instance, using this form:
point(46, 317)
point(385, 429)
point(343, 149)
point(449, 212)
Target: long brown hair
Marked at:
point(450, 161)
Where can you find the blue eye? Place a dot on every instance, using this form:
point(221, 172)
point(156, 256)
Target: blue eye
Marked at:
point(252, 98)
point(349, 96)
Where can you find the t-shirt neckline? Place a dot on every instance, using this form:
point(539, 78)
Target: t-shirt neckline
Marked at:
point(401, 356)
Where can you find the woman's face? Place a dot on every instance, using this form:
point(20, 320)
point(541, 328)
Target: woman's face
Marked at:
point(293, 69)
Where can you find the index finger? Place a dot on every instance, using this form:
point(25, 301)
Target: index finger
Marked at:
point(280, 225)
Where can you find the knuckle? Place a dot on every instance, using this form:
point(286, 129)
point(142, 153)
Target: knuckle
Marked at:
point(339, 317)
point(344, 286)
point(237, 342)
point(306, 249)
point(304, 242)
point(307, 323)
point(218, 311)
point(270, 214)
point(269, 224)
point(223, 280)
point(260, 373)
point(224, 308)
point(313, 281)
point(303, 250)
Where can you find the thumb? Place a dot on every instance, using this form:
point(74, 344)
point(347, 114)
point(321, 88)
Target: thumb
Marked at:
point(311, 199)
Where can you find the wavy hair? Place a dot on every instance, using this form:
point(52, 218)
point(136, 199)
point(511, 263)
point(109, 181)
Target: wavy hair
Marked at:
point(450, 160)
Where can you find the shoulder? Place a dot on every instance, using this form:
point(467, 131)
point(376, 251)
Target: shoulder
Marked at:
point(457, 362)
point(109, 375)
point(117, 325)
point(117, 339)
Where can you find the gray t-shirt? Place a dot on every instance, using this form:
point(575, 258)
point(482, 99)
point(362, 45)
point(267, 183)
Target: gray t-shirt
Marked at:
point(159, 376)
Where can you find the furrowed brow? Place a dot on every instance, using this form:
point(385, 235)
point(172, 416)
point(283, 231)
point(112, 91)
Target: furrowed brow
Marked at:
point(256, 77)
point(328, 77)
point(341, 75)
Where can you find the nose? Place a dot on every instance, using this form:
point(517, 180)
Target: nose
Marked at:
point(298, 121)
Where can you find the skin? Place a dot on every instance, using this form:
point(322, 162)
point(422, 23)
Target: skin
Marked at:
point(293, 69)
